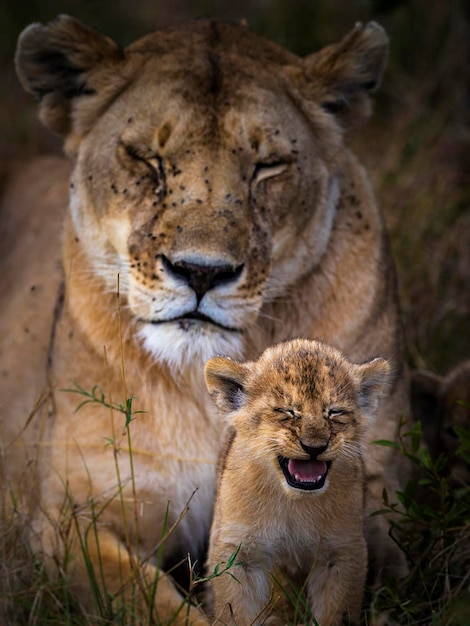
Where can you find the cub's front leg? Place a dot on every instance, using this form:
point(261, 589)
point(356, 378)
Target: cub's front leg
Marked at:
point(336, 587)
point(241, 596)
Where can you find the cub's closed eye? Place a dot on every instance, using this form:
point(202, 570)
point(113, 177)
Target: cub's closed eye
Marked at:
point(288, 413)
point(263, 171)
point(339, 414)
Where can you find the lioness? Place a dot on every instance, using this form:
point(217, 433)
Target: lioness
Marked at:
point(213, 208)
point(291, 482)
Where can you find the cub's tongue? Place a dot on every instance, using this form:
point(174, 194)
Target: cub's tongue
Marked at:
point(306, 471)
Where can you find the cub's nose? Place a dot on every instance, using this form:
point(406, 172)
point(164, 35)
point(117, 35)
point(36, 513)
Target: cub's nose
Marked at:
point(313, 451)
point(201, 278)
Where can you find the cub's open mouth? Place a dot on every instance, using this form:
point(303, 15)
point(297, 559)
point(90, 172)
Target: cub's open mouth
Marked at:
point(308, 475)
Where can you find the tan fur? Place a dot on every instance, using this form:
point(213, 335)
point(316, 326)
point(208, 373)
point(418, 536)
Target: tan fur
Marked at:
point(205, 160)
point(302, 401)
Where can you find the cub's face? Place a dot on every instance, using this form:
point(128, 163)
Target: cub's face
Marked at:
point(300, 409)
point(206, 166)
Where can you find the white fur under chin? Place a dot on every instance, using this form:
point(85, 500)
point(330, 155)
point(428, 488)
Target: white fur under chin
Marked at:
point(180, 348)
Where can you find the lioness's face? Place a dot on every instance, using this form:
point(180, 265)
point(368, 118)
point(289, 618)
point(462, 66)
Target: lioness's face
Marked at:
point(194, 198)
point(206, 166)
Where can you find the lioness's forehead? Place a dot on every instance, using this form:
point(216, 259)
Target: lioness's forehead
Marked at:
point(213, 40)
point(187, 112)
point(208, 62)
point(206, 83)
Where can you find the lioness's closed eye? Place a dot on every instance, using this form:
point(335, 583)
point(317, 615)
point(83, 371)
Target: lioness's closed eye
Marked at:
point(290, 484)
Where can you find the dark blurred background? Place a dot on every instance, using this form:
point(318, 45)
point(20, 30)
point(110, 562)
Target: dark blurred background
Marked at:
point(416, 146)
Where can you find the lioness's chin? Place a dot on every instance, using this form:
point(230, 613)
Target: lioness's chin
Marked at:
point(180, 344)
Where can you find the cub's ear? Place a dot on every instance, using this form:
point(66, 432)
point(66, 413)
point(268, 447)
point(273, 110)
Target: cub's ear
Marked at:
point(343, 75)
point(373, 377)
point(225, 381)
point(62, 65)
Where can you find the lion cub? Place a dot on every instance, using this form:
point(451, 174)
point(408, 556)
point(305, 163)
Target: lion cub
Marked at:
point(291, 481)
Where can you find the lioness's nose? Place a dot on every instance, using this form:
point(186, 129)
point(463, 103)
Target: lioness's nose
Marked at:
point(202, 278)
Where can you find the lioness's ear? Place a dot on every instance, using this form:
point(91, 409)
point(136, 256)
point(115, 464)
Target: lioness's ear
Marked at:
point(225, 381)
point(373, 377)
point(61, 64)
point(346, 73)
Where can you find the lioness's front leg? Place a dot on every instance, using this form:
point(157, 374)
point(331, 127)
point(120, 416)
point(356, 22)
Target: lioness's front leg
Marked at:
point(102, 572)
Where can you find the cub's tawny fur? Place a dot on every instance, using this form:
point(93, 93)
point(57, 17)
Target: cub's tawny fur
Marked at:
point(213, 208)
point(290, 491)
